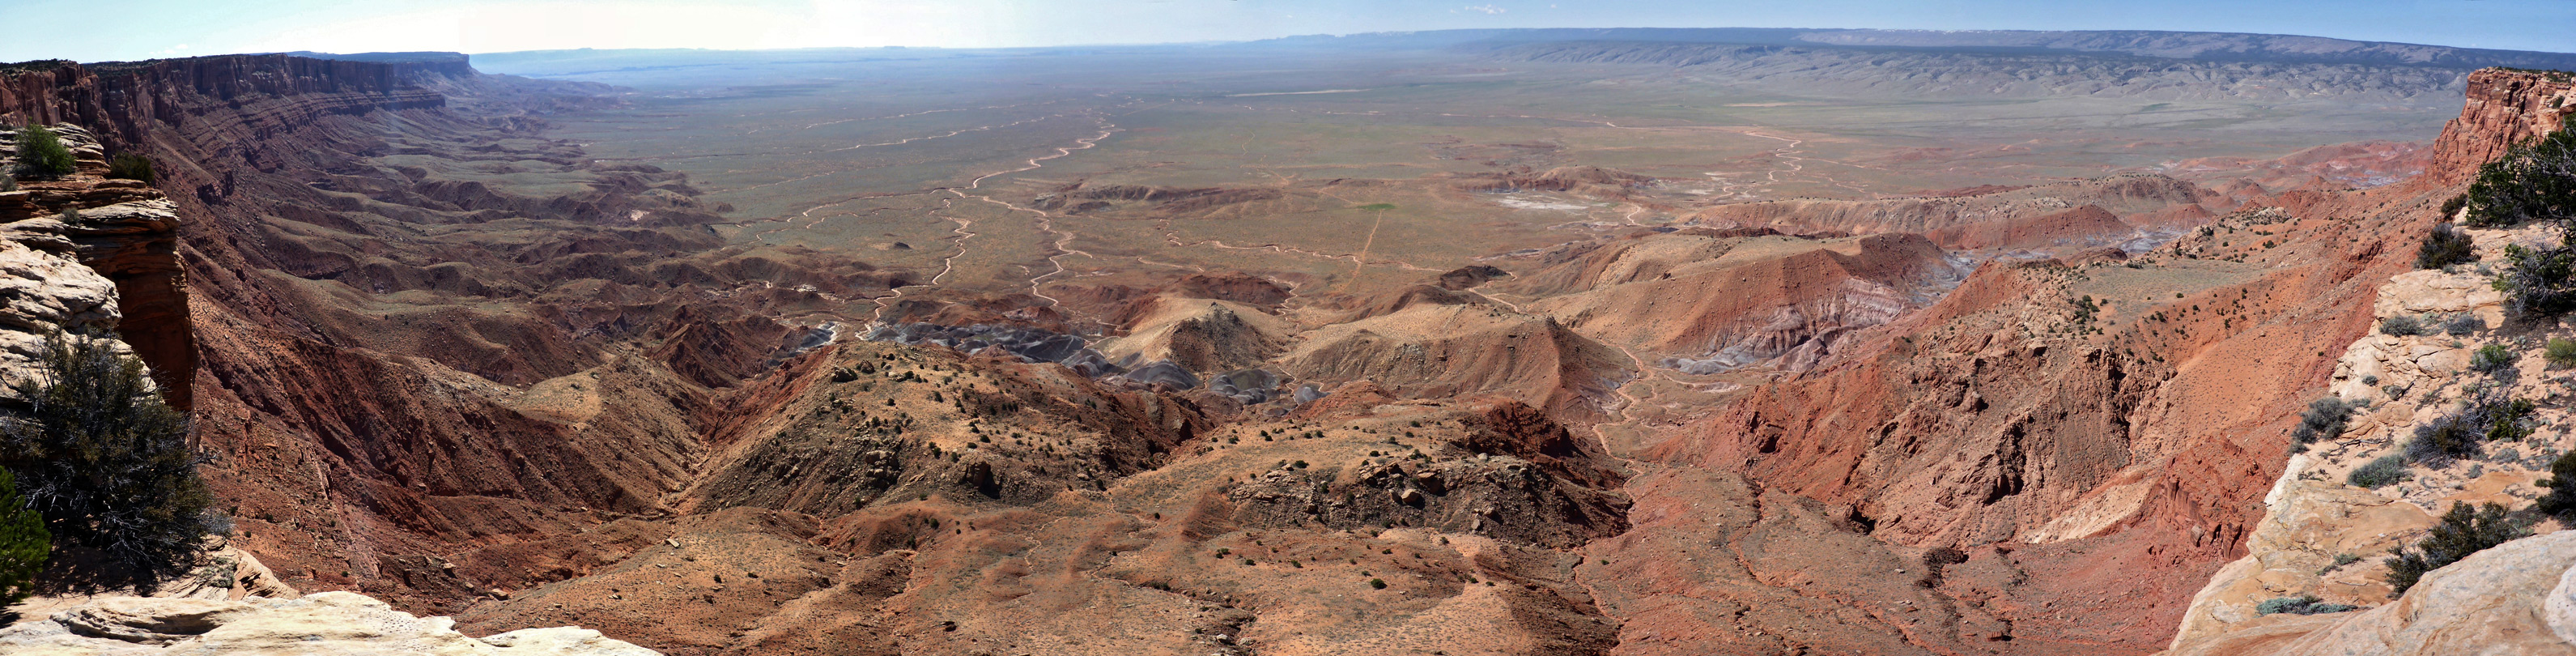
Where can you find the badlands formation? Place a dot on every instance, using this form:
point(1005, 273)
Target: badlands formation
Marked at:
point(461, 377)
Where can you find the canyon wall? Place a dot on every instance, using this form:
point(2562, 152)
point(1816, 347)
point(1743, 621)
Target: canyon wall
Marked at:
point(352, 371)
point(2089, 425)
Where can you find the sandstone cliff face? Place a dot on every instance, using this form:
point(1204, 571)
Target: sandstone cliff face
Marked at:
point(2506, 107)
point(124, 230)
point(46, 292)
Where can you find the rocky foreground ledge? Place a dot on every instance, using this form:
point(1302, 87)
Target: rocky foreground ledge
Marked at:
point(2517, 598)
point(320, 623)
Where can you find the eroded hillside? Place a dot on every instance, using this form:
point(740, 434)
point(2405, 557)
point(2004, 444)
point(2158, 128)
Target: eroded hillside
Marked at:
point(453, 360)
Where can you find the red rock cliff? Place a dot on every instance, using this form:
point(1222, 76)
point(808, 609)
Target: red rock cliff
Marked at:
point(2505, 107)
point(148, 107)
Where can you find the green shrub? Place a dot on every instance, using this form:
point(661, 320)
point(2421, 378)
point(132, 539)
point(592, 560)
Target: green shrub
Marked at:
point(2451, 208)
point(2462, 532)
point(2491, 359)
point(2385, 470)
point(41, 154)
point(2301, 605)
point(2323, 420)
point(24, 544)
point(2560, 352)
point(130, 166)
point(2445, 246)
point(2402, 325)
point(110, 468)
point(2534, 181)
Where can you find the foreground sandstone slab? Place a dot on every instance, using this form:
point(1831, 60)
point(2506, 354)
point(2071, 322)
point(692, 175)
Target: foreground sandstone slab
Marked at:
point(321, 623)
point(2517, 598)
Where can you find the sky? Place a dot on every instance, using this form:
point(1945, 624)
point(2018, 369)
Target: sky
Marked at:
point(145, 29)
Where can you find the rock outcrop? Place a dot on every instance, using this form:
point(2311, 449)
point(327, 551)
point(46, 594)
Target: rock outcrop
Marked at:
point(125, 231)
point(46, 292)
point(320, 623)
point(2505, 107)
point(2516, 598)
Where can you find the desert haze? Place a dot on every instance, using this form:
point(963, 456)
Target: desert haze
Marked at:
point(1558, 342)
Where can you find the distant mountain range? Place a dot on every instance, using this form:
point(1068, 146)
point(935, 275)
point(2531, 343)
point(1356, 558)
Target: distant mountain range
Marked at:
point(2203, 46)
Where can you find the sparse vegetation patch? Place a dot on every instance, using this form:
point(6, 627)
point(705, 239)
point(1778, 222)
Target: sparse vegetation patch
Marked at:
point(2301, 605)
point(2461, 434)
point(2323, 420)
point(2401, 326)
point(130, 166)
point(2463, 531)
point(2383, 471)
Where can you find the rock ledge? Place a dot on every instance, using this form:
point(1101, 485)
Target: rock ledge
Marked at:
point(320, 623)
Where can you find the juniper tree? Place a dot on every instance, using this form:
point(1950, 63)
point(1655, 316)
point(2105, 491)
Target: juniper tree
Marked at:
point(109, 467)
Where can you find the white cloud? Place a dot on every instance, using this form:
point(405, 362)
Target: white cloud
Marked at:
point(1488, 9)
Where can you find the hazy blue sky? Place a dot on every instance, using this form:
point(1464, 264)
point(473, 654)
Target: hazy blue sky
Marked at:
point(139, 29)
